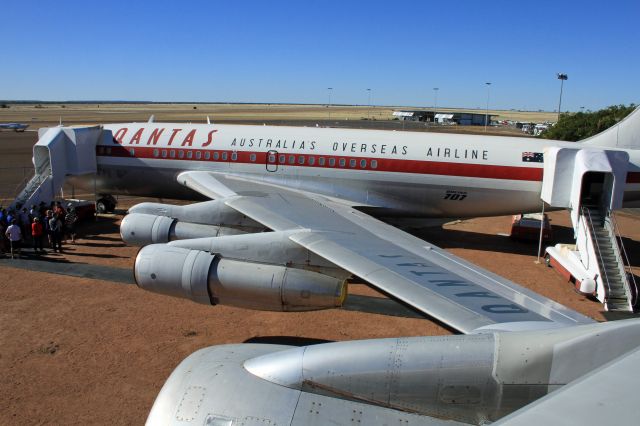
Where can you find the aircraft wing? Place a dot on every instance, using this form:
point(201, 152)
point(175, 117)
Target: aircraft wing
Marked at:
point(431, 280)
point(602, 396)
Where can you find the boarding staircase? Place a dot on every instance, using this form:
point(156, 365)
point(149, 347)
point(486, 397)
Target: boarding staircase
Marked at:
point(590, 183)
point(59, 153)
point(617, 280)
point(38, 188)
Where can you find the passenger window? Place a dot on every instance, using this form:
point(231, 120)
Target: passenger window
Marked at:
point(132, 152)
point(282, 159)
point(342, 162)
point(156, 153)
point(292, 159)
point(172, 153)
point(374, 164)
point(164, 153)
point(301, 159)
point(181, 154)
point(198, 155)
point(234, 156)
point(312, 161)
point(352, 163)
point(252, 157)
point(108, 151)
point(207, 155)
point(224, 156)
point(216, 156)
point(332, 162)
point(272, 158)
point(189, 154)
point(321, 161)
point(363, 164)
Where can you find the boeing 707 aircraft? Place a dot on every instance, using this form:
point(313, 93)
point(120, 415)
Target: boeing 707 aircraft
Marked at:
point(291, 213)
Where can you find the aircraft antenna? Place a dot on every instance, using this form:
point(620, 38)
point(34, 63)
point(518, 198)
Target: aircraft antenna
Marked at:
point(152, 119)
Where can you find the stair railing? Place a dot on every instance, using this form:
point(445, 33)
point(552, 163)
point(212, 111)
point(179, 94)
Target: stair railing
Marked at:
point(625, 258)
point(586, 213)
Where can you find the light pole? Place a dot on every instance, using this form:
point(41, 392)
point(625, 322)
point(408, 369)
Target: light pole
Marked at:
point(369, 105)
point(435, 103)
point(486, 114)
point(562, 78)
point(329, 107)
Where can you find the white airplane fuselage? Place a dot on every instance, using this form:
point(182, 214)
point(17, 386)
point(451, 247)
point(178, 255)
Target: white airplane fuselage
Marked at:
point(403, 173)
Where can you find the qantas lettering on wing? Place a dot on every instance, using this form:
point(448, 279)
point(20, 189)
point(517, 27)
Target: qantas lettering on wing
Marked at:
point(177, 137)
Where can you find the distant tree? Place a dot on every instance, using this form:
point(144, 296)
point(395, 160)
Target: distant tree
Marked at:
point(4, 106)
point(577, 126)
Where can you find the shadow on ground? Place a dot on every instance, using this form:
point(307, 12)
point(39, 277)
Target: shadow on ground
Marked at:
point(286, 340)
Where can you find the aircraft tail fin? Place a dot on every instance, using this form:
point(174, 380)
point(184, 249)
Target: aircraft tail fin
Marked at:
point(624, 135)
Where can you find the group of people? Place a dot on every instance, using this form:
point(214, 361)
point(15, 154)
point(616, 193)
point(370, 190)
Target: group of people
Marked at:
point(20, 226)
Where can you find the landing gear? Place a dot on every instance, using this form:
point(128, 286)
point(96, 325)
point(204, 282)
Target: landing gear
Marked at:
point(106, 204)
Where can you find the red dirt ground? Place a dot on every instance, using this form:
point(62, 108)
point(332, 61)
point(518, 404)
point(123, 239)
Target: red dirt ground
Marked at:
point(78, 351)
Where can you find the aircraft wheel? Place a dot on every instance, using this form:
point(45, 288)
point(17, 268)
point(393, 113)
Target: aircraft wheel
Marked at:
point(101, 206)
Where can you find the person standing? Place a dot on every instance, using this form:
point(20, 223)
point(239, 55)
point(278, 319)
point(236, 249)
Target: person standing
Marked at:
point(14, 235)
point(70, 221)
point(47, 230)
point(3, 238)
point(25, 223)
point(37, 233)
point(55, 226)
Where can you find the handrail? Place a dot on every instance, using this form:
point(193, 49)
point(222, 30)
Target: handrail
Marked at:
point(31, 186)
point(20, 185)
point(625, 258)
point(603, 270)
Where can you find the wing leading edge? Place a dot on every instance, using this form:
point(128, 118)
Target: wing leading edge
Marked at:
point(431, 280)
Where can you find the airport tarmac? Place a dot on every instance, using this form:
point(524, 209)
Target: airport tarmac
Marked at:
point(80, 344)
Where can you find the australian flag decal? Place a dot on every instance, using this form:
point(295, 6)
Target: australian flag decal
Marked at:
point(532, 157)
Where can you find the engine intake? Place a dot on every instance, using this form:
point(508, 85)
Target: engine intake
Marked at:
point(210, 279)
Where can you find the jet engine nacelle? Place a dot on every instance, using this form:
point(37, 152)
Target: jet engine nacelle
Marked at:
point(214, 212)
point(140, 229)
point(210, 279)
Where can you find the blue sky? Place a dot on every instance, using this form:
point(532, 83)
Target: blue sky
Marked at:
point(292, 51)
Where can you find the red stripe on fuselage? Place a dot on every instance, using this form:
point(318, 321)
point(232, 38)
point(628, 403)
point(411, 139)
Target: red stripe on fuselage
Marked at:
point(382, 164)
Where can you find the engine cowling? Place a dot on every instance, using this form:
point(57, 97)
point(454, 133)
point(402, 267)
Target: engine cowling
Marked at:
point(211, 279)
point(214, 212)
point(140, 229)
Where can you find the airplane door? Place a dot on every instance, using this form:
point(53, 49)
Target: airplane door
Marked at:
point(272, 161)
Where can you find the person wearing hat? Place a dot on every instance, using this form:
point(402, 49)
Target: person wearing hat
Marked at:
point(37, 233)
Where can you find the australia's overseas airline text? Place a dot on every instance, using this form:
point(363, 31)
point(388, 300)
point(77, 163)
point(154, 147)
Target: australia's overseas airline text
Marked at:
point(178, 138)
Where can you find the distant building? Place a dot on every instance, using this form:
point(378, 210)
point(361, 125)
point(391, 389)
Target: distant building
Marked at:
point(414, 115)
point(444, 118)
point(461, 118)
